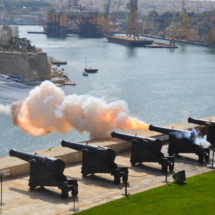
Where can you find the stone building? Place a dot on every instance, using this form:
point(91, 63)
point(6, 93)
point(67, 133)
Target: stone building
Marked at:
point(30, 66)
point(7, 31)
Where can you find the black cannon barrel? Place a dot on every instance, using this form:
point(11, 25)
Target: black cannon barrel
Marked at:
point(152, 143)
point(128, 137)
point(56, 166)
point(164, 130)
point(25, 156)
point(199, 121)
point(80, 146)
point(104, 153)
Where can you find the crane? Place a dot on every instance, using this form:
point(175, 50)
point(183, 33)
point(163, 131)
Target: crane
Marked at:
point(132, 25)
point(211, 37)
point(40, 16)
point(106, 29)
point(184, 31)
point(115, 13)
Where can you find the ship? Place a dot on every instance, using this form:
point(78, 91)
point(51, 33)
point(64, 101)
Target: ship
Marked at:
point(22, 21)
point(129, 41)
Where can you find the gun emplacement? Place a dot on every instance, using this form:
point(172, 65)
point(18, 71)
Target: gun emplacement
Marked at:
point(183, 141)
point(146, 150)
point(98, 159)
point(47, 171)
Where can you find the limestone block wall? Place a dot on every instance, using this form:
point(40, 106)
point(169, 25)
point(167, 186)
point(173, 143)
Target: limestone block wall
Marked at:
point(31, 66)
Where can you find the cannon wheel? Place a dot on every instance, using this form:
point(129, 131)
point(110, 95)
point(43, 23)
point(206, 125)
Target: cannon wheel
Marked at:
point(206, 157)
point(64, 194)
point(74, 192)
point(171, 167)
point(125, 178)
point(116, 181)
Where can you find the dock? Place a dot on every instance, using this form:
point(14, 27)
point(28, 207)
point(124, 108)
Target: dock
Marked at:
point(36, 32)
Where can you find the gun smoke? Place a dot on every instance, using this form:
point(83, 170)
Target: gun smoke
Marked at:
point(194, 137)
point(47, 109)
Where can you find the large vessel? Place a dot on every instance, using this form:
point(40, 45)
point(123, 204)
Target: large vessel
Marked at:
point(22, 21)
point(139, 42)
point(129, 41)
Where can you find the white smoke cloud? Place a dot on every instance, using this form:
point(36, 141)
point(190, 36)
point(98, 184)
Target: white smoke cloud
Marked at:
point(47, 109)
point(194, 137)
point(5, 109)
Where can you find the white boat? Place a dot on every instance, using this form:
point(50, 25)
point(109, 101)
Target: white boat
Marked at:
point(4, 78)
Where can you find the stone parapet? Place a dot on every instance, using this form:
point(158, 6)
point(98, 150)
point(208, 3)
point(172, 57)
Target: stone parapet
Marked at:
point(31, 66)
point(19, 167)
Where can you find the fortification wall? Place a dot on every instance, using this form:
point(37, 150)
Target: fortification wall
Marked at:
point(31, 66)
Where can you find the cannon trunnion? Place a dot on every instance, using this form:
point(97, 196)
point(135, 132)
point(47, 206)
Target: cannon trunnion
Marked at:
point(46, 171)
point(146, 150)
point(210, 130)
point(97, 159)
point(181, 142)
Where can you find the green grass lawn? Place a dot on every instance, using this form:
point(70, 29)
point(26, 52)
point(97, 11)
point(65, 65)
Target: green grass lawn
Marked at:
point(196, 196)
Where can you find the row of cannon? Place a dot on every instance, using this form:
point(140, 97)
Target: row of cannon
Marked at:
point(47, 171)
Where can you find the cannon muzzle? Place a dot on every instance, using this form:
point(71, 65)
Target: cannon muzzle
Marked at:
point(54, 165)
point(104, 153)
point(199, 121)
point(21, 155)
point(164, 130)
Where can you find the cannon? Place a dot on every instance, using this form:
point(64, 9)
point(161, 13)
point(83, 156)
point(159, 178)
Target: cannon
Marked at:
point(181, 141)
point(208, 129)
point(146, 150)
point(47, 171)
point(97, 159)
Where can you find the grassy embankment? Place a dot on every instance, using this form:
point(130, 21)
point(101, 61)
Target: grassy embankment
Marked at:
point(196, 196)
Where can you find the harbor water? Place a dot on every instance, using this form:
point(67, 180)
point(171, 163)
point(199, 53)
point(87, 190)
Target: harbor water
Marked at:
point(160, 86)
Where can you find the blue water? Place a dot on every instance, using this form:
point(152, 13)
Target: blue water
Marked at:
point(161, 86)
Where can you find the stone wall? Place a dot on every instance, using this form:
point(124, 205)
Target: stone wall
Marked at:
point(31, 66)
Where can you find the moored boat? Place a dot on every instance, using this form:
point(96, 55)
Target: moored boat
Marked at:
point(89, 70)
point(85, 74)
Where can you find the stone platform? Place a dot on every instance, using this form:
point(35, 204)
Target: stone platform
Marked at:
point(94, 189)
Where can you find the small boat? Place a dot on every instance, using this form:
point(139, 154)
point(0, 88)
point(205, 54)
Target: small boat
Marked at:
point(85, 74)
point(90, 70)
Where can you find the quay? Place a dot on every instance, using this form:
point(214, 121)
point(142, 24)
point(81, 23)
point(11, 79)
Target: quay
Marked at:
point(94, 189)
point(180, 41)
point(36, 32)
